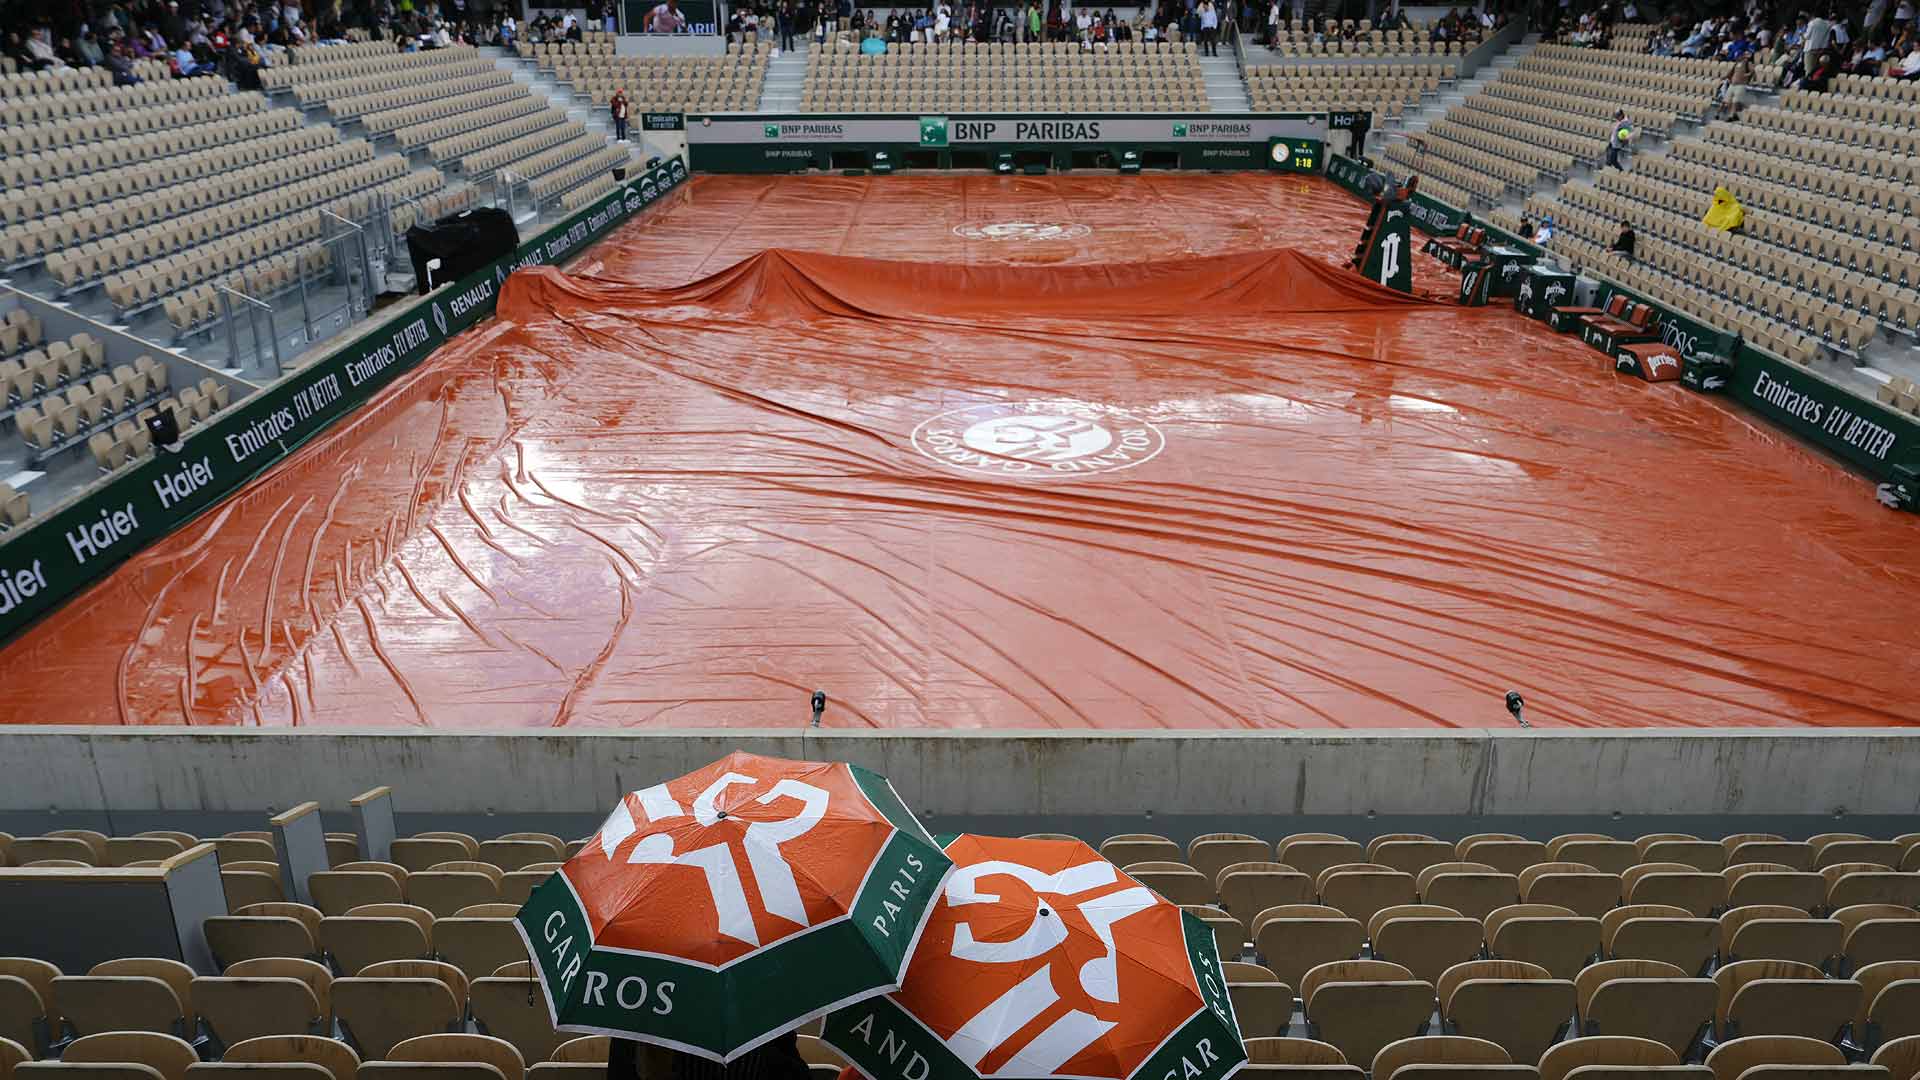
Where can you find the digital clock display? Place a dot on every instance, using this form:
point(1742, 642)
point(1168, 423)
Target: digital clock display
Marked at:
point(1294, 155)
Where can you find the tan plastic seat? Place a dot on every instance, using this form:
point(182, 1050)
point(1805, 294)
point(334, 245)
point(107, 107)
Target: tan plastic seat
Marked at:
point(1900, 1057)
point(380, 1011)
point(1732, 1058)
point(1583, 887)
point(1262, 1003)
point(1674, 884)
point(356, 941)
point(11, 1054)
point(1249, 888)
point(28, 1015)
point(1616, 1050)
point(478, 945)
point(1515, 1004)
point(234, 938)
point(1311, 853)
point(1128, 848)
point(145, 994)
point(1876, 932)
point(1659, 932)
point(1363, 889)
point(1545, 934)
point(1362, 1005)
point(168, 1056)
point(515, 1010)
point(517, 854)
point(1507, 854)
point(1213, 852)
point(335, 892)
point(1644, 999)
point(1409, 853)
point(445, 892)
point(417, 853)
point(1473, 889)
point(1758, 883)
point(1425, 1050)
point(267, 996)
point(331, 1054)
point(1292, 938)
point(587, 1049)
point(458, 1048)
point(1426, 939)
point(1177, 883)
point(1768, 932)
point(1282, 1051)
point(1889, 1002)
point(1781, 997)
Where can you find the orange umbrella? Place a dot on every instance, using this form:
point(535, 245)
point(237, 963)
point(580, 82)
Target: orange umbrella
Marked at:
point(713, 912)
point(1043, 959)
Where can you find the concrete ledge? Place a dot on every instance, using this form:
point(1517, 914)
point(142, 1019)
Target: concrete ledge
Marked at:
point(1354, 774)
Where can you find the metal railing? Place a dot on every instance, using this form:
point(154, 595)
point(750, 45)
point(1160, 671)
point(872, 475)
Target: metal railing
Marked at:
point(254, 309)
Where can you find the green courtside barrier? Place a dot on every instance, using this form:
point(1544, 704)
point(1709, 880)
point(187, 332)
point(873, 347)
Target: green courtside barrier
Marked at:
point(53, 558)
point(1430, 215)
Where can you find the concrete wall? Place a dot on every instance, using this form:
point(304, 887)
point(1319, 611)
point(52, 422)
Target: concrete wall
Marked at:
point(1368, 782)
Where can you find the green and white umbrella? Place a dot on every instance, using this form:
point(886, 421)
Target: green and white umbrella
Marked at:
point(716, 911)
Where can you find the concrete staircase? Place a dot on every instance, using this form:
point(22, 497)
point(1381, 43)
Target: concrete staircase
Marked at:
point(786, 75)
point(579, 109)
point(1418, 119)
point(1226, 90)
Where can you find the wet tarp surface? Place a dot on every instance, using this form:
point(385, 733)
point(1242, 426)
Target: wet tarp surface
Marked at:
point(1008, 452)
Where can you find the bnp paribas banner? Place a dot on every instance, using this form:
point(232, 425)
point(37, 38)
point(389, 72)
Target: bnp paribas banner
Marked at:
point(989, 130)
point(58, 555)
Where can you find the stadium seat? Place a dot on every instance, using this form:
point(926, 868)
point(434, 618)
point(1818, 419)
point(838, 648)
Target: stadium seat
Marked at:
point(1562, 1059)
point(1426, 939)
point(266, 996)
point(1515, 1004)
point(145, 994)
point(1768, 932)
point(377, 932)
point(1507, 854)
point(418, 853)
point(330, 1054)
point(1473, 889)
point(516, 1011)
point(1584, 888)
point(1875, 932)
point(234, 938)
point(11, 1054)
point(1249, 888)
point(1362, 1005)
point(1283, 1051)
point(1176, 882)
point(457, 1053)
point(1429, 1050)
point(1900, 1057)
point(1731, 1059)
point(1644, 999)
point(1774, 883)
point(1408, 853)
point(1675, 884)
point(336, 892)
point(1292, 938)
point(1889, 1002)
point(478, 945)
point(1310, 853)
point(1659, 932)
point(517, 854)
point(1548, 935)
point(396, 1000)
point(116, 1055)
point(28, 1015)
point(585, 1050)
point(1782, 997)
point(447, 887)
point(1211, 853)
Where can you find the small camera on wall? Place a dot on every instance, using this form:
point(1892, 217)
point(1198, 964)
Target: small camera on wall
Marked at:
point(164, 427)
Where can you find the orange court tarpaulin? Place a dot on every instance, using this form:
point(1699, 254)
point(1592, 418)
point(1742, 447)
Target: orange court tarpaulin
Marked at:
point(977, 452)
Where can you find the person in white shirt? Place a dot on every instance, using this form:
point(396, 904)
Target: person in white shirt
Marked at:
point(665, 18)
point(942, 23)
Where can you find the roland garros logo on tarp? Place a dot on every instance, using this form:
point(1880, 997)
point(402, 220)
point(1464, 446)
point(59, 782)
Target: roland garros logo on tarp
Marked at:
point(1039, 439)
point(690, 914)
point(1003, 231)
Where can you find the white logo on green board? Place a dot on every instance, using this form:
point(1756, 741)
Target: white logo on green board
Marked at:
point(933, 131)
point(440, 319)
point(1179, 130)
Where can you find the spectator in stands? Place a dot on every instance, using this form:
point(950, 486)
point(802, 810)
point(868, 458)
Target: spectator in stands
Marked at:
point(665, 18)
point(1731, 96)
point(783, 19)
point(1618, 140)
point(1209, 28)
point(618, 109)
point(89, 49)
point(1820, 73)
point(1815, 39)
point(121, 64)
point(1545, 232)
point(1623, 242)
point(1909, 68)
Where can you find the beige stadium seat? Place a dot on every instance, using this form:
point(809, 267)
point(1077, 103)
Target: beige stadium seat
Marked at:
point(1292, 938)
point(1548, 935)
point(341, 847)
point(1601, 853)
point(1586, 889)
point(458, 1049)
point(1515, 1004)
point(32, 849)
point(92, 838)
point(1269, 1050)
point(517, 854)
point(1408, 853)
point(1249, 888)
point(1773, 883)
point(1211, 853)
point(122, 850)
point(1768, 932)
point(1362, 1005)
point(248, 884)
point(1426, 939)
point(568, 1070)
point(448, 887)
point(1875, 932)
point(375, 933)
point(587, 1049)
point(267, 996)
point(381, 1008)
point(238, 1070)
point(336, 892)
point(1128, 848)
point(1262, 1003)
point(478, 945)
point(1675, 884)
point(1310, 853)
point(1889, 1002)
point(1873, 887)
point(1507, 854)
point(1361, 889)
point(28, 1015)
point(146, 994)
point(234, 938)
point(330, 1054)
point(1781, 997)
point(1659, 932)
point(1473, 889)
point(1176, 882)
point(150, 1054)
point(1430, 1050)
point(1731, 1059)
point(1746, 848)
point(1620, 1051)
point(11, 1054)
point(515, 1010)
point(1900, 1057)
point(1644, 999)
point(1707, 856)
point(417, 853)
point(517, 885)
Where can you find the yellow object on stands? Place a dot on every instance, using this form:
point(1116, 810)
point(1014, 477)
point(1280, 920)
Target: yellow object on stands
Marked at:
point(1726, 213)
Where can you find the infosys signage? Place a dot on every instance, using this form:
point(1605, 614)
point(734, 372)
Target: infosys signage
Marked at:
point(55, 557)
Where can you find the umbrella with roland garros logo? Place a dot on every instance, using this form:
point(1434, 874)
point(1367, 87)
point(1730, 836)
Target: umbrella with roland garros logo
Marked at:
point(716, 911)
point(1044, 960)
